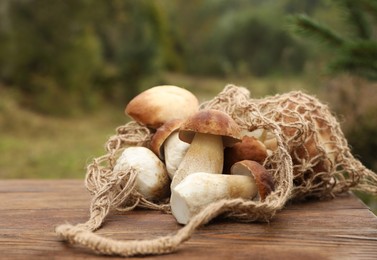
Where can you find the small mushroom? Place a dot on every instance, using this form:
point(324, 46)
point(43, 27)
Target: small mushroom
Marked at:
point(257, 133)
point(261, 176)
point(266, 137)
point(270, 141)
point(160, 104)
point(250, 148)
point(167, 146)
point(152, 179)
point(200, 189)
point(162, 134)
point(208, 131)
point(271, 144)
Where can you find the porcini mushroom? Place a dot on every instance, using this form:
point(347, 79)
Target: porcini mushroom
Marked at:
point(160, 104)
point(250, 148)
point(264, 136)
point(208, 131)
point(167, 146)
point(270, 142)
point(152, 180)
point(261, 176)
point(200, 189)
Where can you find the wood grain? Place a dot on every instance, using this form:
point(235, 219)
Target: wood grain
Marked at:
point(342, 228)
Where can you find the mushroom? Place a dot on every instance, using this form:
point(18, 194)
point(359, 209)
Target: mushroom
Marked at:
point(250, 148)
point(208, 131)
point(266, 137)
point(270, 141)
point(152, 179)
point(271, 144)
point(175, 150)
point(200, 189)
point(160, 104)
point(261, 176)
point(167, 146)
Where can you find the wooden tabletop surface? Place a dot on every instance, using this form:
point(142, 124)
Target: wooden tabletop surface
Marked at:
point(342, 228)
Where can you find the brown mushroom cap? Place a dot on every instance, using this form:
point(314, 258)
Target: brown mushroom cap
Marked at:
point(161, 134)
point(160, 104)
point(263, 178)
point(213, 122)
point(250, 148)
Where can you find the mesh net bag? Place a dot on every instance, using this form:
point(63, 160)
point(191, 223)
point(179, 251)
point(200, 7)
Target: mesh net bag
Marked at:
point(312, 160)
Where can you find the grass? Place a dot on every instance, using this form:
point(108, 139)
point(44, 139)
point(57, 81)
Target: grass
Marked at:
point(60, 152)
point(35, 146)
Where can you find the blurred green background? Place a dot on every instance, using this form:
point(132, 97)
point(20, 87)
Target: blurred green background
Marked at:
point(68, 68)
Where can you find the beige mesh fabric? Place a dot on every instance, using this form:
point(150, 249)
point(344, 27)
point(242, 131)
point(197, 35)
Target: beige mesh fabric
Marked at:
point(312, 159)
point(323, 165)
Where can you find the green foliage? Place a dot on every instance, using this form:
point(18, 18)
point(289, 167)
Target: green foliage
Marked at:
point(359, 57)
point(47, 56)
point(243, 51)
point(237, 37)
point(370, 6)
point(137, 49)
point(63, 55)
point(354, 53)
point(307, 27)
point(68, 56)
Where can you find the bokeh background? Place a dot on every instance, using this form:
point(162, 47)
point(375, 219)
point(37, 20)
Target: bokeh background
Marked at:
point(68, 68)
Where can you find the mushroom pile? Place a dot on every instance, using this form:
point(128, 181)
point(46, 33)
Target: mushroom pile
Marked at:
point(195, 156)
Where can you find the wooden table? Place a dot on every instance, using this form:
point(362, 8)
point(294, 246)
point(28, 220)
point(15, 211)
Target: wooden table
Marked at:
point(342, 228)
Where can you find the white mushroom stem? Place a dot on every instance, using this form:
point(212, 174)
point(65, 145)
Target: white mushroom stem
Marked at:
point(174, 151)
point(200, 189)
point(205, 154)
point(152, 180)
point(263, 179)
